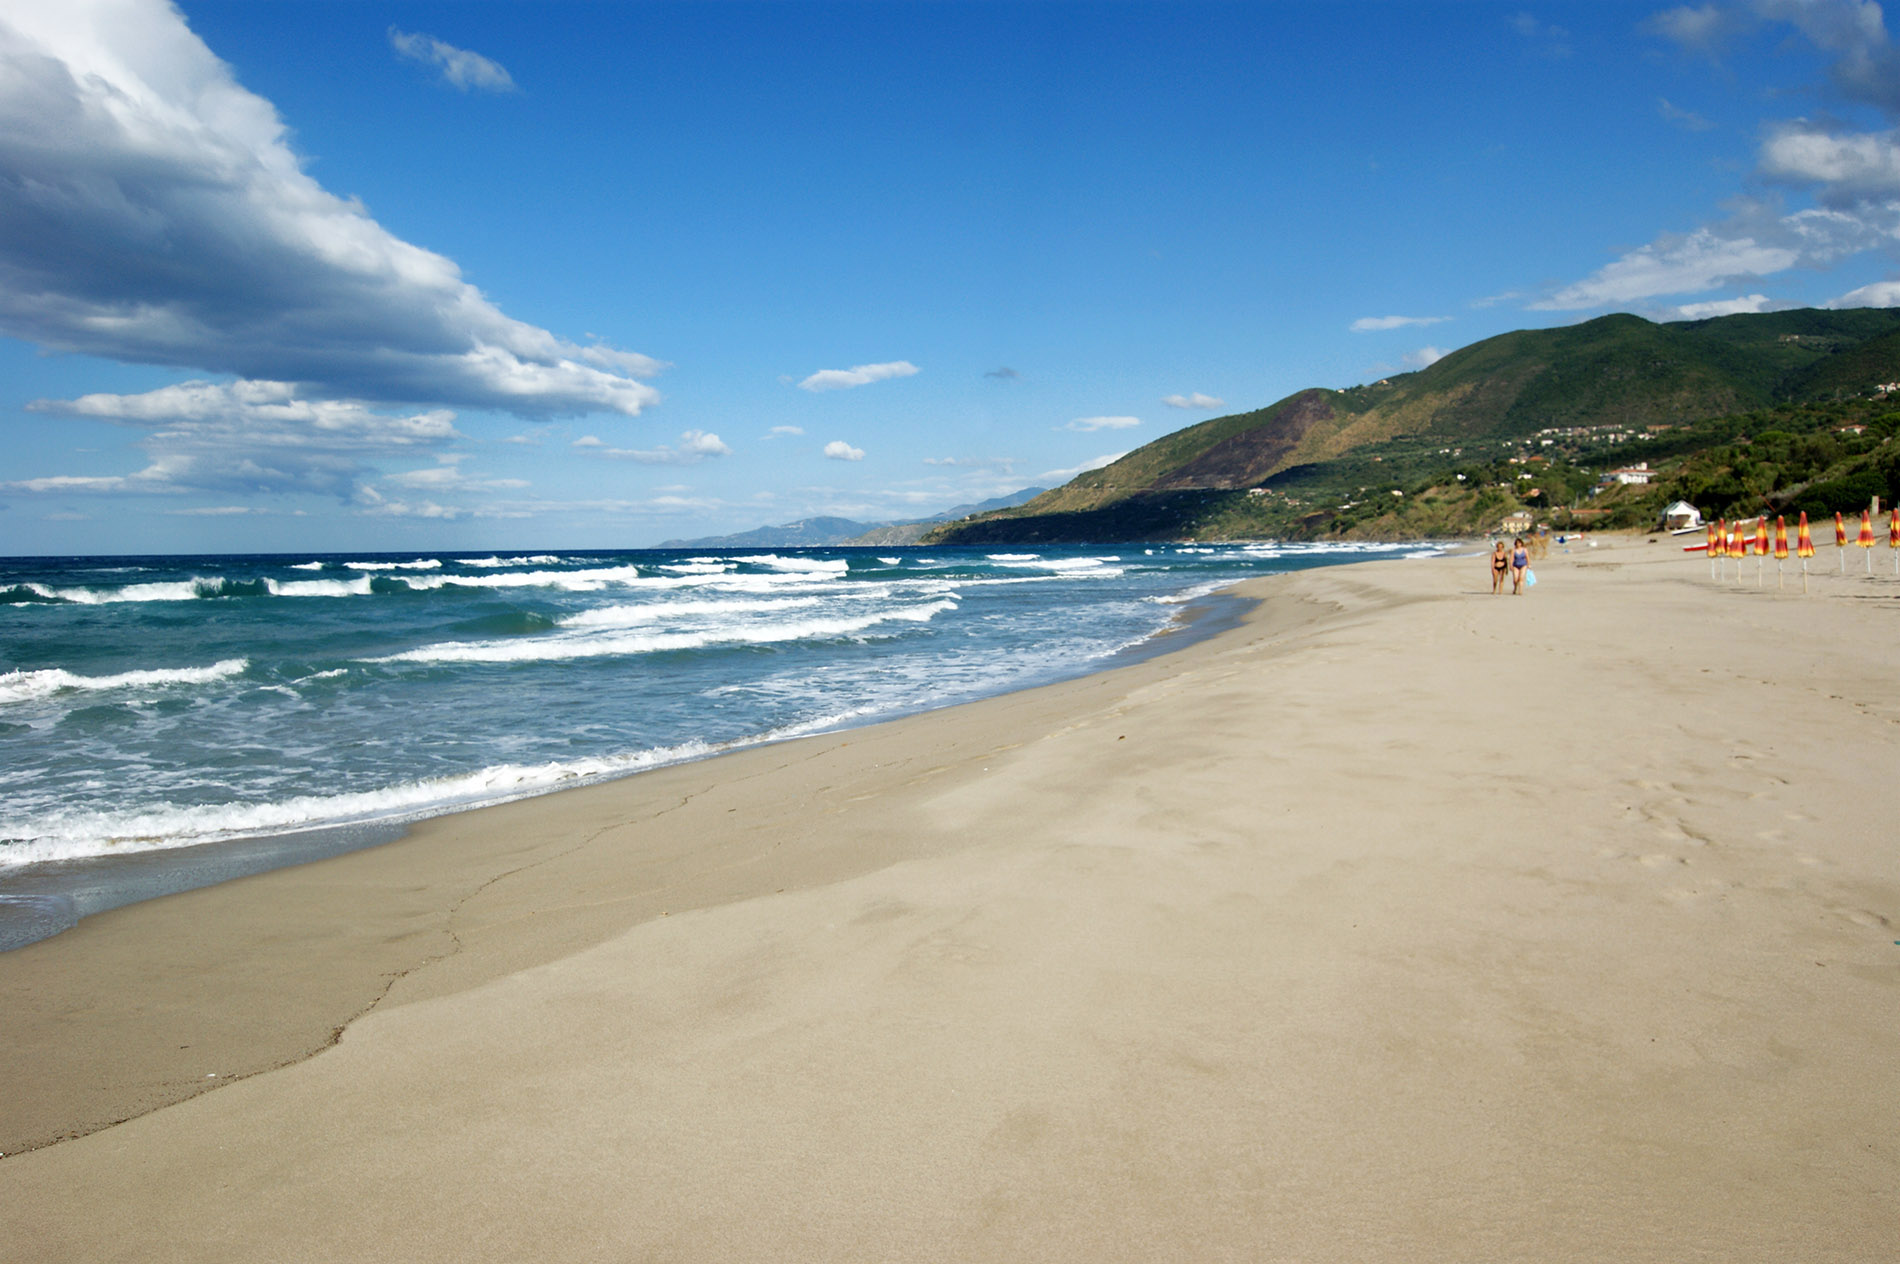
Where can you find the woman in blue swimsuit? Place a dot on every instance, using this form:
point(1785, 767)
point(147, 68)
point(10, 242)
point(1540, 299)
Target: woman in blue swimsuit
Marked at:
point(1520, 562)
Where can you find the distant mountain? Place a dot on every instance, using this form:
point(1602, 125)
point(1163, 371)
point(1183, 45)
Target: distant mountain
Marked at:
point(1615, 372)
point(824, 532)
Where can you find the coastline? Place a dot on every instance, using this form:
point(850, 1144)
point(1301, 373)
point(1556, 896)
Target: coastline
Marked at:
point(1397, 922)
point(46, 898)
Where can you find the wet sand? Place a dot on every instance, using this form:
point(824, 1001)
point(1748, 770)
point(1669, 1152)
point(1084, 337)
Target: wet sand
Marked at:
point(1399, 923)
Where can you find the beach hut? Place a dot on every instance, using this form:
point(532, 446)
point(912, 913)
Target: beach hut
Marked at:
point(1682, 516)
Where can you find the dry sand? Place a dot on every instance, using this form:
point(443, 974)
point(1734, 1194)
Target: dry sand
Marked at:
point(1400, 923)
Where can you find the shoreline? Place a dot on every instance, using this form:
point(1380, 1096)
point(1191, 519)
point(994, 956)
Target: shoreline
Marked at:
point(1399, 922)
point(40, 899)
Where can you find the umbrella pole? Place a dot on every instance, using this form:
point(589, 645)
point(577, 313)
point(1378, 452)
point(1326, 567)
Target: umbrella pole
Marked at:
point(1781, 581)
point(1804, 577)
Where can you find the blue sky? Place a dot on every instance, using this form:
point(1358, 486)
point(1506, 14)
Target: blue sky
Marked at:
point(280, 276)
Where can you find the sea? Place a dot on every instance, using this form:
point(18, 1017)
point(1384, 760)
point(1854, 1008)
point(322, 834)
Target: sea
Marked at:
point(166, 722)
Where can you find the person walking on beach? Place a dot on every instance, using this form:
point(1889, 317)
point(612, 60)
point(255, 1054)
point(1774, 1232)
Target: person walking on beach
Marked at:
point(1500, 566)
point(1520, 562)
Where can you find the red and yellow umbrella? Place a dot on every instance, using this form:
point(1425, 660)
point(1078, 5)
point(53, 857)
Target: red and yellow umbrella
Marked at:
point(1718, 547)
point(1761, 536)
point(1781, 538)
point(1840, 541)
point(1893, 529)
point(1866, 538)
point(1804, 540)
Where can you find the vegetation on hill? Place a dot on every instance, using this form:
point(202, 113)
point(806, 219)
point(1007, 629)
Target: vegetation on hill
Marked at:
point(1737, 415)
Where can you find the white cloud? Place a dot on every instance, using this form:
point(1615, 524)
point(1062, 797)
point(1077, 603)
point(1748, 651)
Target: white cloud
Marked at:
point(1087, 424)
point(1424, 357)
point(460, 67)
point(1848, 165)
point(839, 450)
point(780, 431)
point(252, 436)
point(1879, 294)
point(694, 446)
point(1673, 264)
point(1700, 29)
point(447, 476)
point(858, 375)
point(1195, 400)
point(1378, 324)
point(1746, 304)
point(1052, 477)
point(151, 211)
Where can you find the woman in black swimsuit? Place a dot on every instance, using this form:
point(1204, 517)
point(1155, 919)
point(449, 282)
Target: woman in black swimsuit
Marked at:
point(1500, 566)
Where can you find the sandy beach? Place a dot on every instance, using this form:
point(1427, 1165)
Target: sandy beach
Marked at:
point(1400, 922)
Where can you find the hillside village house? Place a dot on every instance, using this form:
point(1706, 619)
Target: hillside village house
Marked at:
point(1639, 474)
point(1516, 523)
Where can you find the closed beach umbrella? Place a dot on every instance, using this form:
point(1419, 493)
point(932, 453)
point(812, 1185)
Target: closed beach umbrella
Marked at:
point(1761, 545)
point(1804, 546)
point(1840, 540)
point(1866, 539)
point(1893, 537)
point(1781, 547)
point(1714, 546)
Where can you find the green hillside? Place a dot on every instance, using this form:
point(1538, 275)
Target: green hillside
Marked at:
point(1568, 402)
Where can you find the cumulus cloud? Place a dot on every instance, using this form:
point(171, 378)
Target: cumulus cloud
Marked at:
point(460, 68)
point(1424, 357)
point(1879, 294)
point(694, 446)
point(248, 436)
point(1195, 400)
point(1377, 324)
point(1746, 304)
point(1674, 264)
point(1087, 424)
point(857, 375)
point(839, 450)
point(152, 211)
point(1848, 167)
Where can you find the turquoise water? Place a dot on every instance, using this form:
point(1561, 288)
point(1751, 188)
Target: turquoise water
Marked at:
point(163, 704)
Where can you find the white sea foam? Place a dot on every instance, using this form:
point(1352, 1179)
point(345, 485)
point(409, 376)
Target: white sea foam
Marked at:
point(698, 566)
point(538, 559)
point(358, 587)
point(307, 566)
point(79, 834)
point(670, 611)
point(420, 564)
point(24, 686)
point(71, 834)
point(815, 565)
point(614, 641)
point(891, 561)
